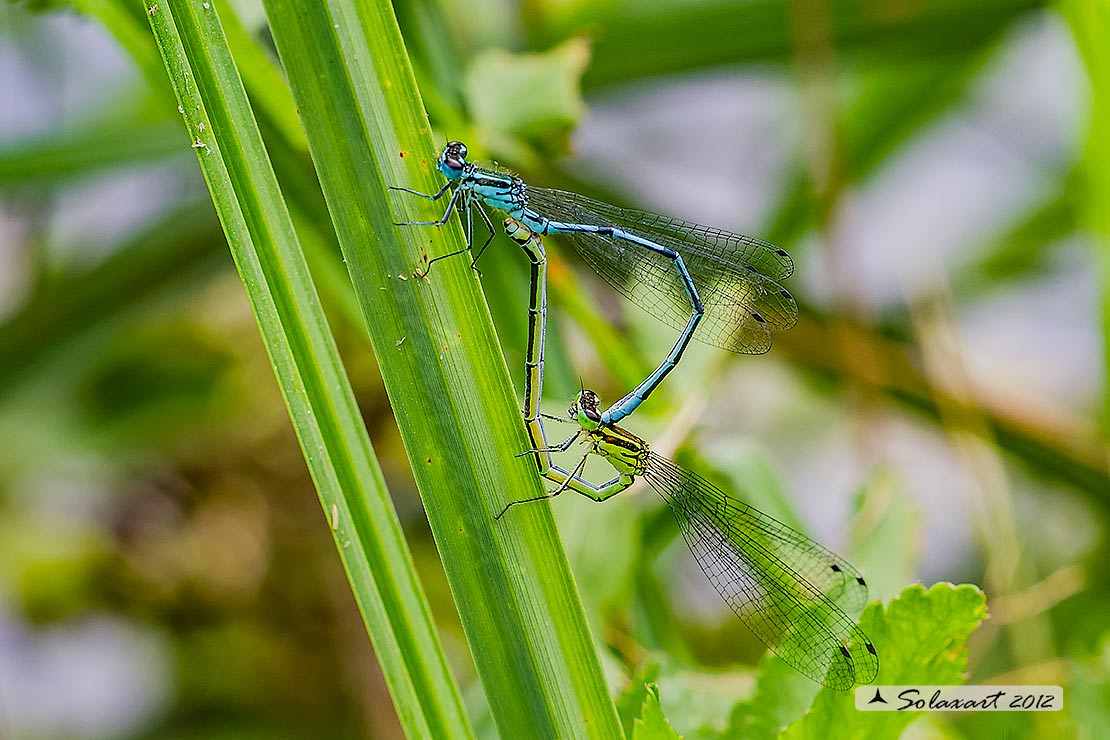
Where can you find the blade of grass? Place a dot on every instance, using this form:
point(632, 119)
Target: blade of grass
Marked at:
point(443, 371)
point(274, 110)
point(178, 248)
point(306, 362)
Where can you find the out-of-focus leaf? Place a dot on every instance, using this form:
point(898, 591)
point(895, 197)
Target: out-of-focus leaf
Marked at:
point(657, 624)
point(1070, 453)
point(652, 725)
point(41, 161)
point(39, 6)
point(1090, 22)
point(433, 49)
point(619, 355)
point(698, 703)
point(892, 105)
point(603, 544)
point(1088, 692)
point(755, 479)
point(515, 97)
point(635, 39)
point(124, 21)
point(131, 390)
point(177, 249)
point(1023, 249)
point(782, 696)
point(889, 546)
point(52, 567)
point(921, 638)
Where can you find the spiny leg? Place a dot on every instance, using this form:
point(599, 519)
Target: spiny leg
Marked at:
point(436, 196)
point(560, 447)
point(486, 243)
point(459, 199)
point(446, 213)
point(555, 474)
point(571, 480)
point(468, 204)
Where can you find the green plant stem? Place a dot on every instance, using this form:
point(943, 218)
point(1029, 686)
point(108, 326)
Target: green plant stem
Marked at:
point(319, 398)
point(443, 371)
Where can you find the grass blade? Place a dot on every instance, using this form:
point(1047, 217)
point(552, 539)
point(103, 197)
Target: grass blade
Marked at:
point(443, 371)
point(306, 362)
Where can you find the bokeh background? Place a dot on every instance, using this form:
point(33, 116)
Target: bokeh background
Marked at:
point(939, 414)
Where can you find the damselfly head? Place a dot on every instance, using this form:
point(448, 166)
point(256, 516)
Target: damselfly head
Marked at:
point(585, 409)
point(452, 160)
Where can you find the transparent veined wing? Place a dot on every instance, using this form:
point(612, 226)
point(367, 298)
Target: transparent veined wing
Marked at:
point(735, 275)
point(789, 590)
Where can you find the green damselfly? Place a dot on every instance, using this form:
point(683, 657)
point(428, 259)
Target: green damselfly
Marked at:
point(790, 591)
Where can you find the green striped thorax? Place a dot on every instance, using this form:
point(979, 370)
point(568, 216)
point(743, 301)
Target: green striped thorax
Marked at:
point(624, 450)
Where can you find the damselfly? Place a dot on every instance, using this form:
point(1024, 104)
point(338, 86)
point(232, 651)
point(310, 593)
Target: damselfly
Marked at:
point(790, 591)
point(685, 274)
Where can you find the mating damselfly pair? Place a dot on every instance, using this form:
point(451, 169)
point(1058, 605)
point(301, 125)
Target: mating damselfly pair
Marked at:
point(790, 591)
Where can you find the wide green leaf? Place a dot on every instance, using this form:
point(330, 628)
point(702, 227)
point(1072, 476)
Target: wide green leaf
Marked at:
point(651, 724)
point(921, 638)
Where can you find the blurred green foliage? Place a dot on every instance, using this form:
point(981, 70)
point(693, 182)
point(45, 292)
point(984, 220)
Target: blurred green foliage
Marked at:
point(150, 475)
